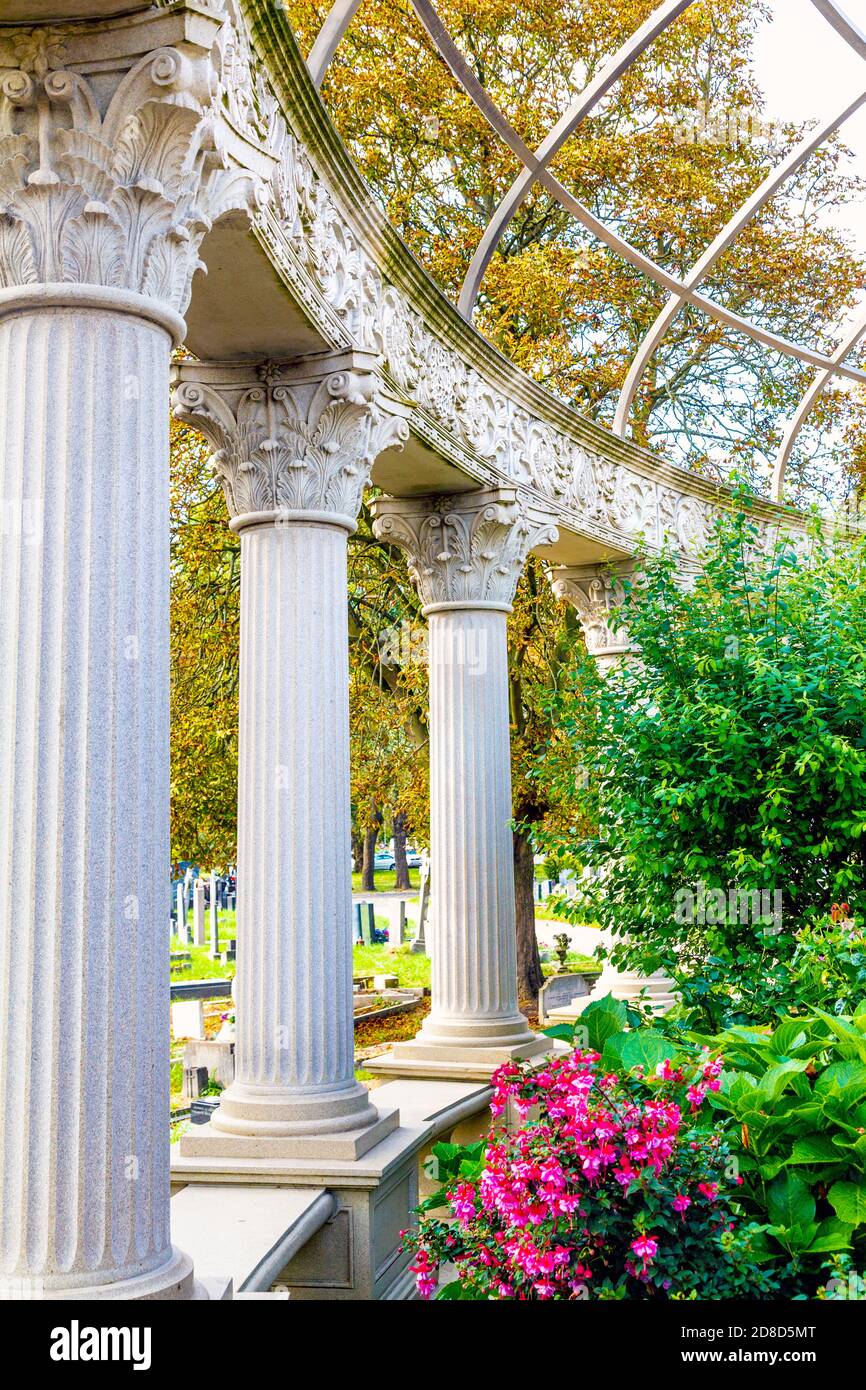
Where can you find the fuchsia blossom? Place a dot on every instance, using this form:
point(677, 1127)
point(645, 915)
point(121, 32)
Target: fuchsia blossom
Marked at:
point(527, 1226)
point(645, 1248)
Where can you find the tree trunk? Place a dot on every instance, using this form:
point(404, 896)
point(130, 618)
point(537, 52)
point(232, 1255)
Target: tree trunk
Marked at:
point(368, 870)
point(357, 852)
point(529, 976)
point(401, 868)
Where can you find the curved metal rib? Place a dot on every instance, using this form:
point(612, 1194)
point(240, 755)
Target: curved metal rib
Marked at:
point(718, 246)
point(601, 84)
point(842, 24)
point(337, 21)
point(807, 405)
point(456, 62)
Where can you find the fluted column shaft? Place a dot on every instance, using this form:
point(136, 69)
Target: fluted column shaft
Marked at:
point(473, 946)
point(465, 555)
point(84, 833)
point(295, 1034)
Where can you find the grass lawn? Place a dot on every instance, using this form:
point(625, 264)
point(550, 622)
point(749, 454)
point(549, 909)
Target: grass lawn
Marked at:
point(385, 880)
point(412, 971)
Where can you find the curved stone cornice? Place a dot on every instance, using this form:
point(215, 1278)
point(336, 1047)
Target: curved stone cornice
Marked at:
point(111, 172)
point(291, 440)
point(469, 549)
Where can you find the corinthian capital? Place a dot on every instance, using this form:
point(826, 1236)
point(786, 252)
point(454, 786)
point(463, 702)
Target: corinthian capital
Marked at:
point(469, 549)
point(596, 592)
point(109, 169)
point(292, 441)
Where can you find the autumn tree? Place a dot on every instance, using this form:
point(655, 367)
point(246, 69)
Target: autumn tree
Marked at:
point(666, 159)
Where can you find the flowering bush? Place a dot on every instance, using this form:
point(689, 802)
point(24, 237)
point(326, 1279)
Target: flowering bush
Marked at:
point(828, 969)
point(610, 1186)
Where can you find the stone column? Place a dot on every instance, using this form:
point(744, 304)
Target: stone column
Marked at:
point(294, 448)
point(597, 592)
point(105, 186)
point(466, 554)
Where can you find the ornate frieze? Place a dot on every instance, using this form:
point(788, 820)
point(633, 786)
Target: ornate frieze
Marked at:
point(292, 439)
point(111, 176)
point(465, 549)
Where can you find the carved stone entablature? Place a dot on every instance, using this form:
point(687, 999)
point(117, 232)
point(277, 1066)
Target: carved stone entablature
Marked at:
point(111, 170)
point(596, 592)
point(294, 439)
point(469, 549)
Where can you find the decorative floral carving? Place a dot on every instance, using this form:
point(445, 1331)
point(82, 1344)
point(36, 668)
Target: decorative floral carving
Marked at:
point(596, 592)
point(285, 442)
point(465, 549)
point(117, 200)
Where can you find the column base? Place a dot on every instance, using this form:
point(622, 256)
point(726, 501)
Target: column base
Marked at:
point(269, 1125)
point(658, 990)
point(173, 1280)
point(452, 1061)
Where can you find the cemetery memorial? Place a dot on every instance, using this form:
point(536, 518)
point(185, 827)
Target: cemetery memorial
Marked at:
point(183, 229)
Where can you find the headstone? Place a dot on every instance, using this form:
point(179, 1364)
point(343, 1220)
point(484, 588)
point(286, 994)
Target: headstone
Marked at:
point(187, 1019)
point(228, 956)
point(401, 930)
point(385, 982)
point(371, 923)
point(198, 938)
point(182, 932)
point(194, 1082)
point(359, 931)
point(214, 920)
point(217, 1057)
point(557, 992)
point(419, 945)
point(200, 1111)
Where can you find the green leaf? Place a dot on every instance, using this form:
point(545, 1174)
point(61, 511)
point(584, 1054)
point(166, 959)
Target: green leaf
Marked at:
point(848, 1200)
point(815, 1148)
point(645, 1048)
point(833, 1234)
point(449, 1292)
point(789, 1201)
point(560, 1032)
point(601, 1019)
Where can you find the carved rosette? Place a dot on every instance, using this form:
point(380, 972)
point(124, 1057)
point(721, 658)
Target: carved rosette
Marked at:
point(108, 180)
point(596, 592)
point(468, 549)
point(287, 441)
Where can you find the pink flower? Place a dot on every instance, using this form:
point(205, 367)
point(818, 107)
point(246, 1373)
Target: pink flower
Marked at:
point(645, 1248)
point(710, 1190)
point(681, 1202)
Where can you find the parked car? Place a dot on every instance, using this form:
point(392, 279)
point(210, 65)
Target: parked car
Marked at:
point(383, 859)
point(413, 857)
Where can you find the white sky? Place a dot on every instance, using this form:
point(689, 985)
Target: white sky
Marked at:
point(808, 71)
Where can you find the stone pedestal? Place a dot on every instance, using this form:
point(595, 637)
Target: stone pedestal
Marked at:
point(466, 555)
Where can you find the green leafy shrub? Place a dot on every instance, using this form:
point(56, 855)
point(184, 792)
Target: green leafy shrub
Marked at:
point(724, 771)
point(796, 1097)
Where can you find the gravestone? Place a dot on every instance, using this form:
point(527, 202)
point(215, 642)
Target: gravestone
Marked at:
point(228, 956)
point(194, 1082)
point(359, 931)
point(419, 945)
point(187, 1019)
point(198, 938)
point(557, 992)
point(214, 920)
point(182, 930)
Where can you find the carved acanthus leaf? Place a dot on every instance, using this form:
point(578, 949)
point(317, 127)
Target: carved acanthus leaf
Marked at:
point(465, 549)
point(285, 443)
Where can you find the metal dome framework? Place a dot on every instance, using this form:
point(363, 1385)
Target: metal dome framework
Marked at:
point(536, 169)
